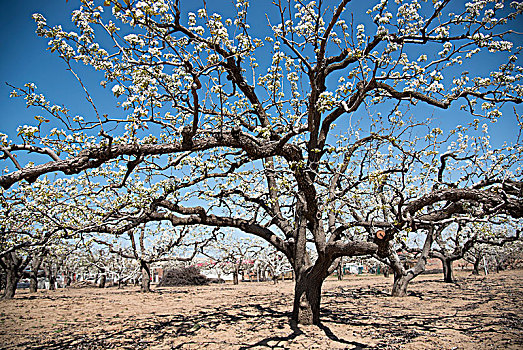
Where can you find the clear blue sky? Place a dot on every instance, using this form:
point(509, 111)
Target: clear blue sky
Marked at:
point(23, 58)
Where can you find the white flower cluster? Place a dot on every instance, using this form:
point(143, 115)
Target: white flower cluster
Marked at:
point(326, 101)
point(4, 140)
point(118, 90)
point(306, 26)
point(134, 39)
point(27, 132)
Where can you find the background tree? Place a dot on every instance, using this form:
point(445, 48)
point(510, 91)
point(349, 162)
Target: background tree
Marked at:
point(403, 272)
point(273, 262)
point(461, 238)
point(506, 249)
point(30, 219)
point(152, 244)
point(234, 255)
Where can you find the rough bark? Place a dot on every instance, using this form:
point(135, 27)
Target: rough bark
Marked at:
point(51, 277)
point(402, 277)
point(146, 277)
point(10, 284)
point(235, 277)
point(13, 266)
point(339, 269)
point(52, 282)
point(33, 282)
point(386, 271)
point(307, 299)
point(475, 270)
point(33, 274)
point(401, 282)
point(103, 279)
point(448, 273)
point(95, 157)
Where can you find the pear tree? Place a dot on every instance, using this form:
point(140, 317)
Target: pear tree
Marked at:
point(313, 131)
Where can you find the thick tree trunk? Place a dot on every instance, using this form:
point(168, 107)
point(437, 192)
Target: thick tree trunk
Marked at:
point(339, 270)
point(33, 275)
point(402, 277)
point(10, 284)
point(52, 282)
point(103, 279)
point(497, 265)
point(401, 282)
point(13, 266)
point(146, 277)
point(386, 271)
point(50, 276)
point(475, 270)
point(448, 274)
point(307, 299)
point(235, 277)
point(33, 281)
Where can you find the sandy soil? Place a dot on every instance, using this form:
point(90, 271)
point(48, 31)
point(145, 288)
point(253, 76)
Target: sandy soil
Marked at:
point(473, 313)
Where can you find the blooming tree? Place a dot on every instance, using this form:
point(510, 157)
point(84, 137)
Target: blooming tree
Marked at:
point(234, 255)
point(310, 136)
point(30, 228)
point(454, 243)
point(272, 261)
point(148, 245)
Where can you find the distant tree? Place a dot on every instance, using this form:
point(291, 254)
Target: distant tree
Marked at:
point(272, 261)
point(153, 244)
point(234, 255)
point(29, 225)
point(461, 239)
point(36, 263)
point(403, 272)
point(508, 253)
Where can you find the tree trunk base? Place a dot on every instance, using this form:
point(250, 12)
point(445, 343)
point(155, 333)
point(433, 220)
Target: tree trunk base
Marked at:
point(305, 314)
point(399, 288)
point(307, 298)
point(10, 287)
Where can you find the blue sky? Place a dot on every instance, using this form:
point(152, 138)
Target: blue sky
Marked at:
point(24, 59)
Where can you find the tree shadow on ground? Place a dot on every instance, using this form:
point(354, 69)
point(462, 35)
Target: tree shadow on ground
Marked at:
point(43, 297)
point(332, 336)
point(135, 333)
point(296, 331)
point(484, 310)
point(355, 307)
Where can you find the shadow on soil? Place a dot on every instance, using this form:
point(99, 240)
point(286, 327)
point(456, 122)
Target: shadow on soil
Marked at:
point(348, 307)
point(135, 333)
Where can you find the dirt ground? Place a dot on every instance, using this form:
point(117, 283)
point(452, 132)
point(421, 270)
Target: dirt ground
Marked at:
point(473, 313)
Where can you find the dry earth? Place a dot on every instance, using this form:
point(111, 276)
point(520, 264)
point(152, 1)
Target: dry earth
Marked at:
point(473, 313)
